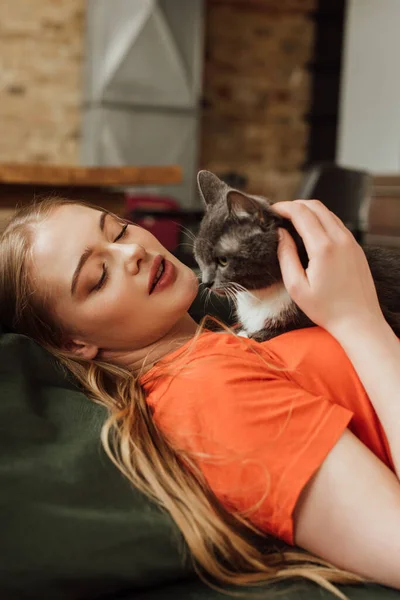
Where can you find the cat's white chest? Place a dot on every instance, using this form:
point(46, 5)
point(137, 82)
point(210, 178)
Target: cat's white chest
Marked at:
point(259, 309)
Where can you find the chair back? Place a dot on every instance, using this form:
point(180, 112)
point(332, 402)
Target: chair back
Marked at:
point(344, 191)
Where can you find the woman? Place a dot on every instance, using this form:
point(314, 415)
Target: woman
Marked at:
point(235, 439)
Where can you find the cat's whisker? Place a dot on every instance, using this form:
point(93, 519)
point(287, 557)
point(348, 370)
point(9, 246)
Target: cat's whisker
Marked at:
point(204, 296)
point(230, 292)
point(188, 244)
point(231, 296)
point(226, 292)
point(240, 288)
point(203, 288)
point(208, 294)
point(237, 288)
point(188, 232)
point(209, 299)
point(231, 310)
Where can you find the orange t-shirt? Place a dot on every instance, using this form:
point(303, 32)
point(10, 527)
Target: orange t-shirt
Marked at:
point(259, 432)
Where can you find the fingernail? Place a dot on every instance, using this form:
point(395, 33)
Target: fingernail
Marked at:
point(280, 234)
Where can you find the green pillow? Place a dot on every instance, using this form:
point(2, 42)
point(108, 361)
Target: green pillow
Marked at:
point(71, 526)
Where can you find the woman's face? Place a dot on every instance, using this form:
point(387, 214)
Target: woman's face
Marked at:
point(100, 274)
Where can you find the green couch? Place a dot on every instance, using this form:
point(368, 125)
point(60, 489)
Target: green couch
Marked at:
point(71, 526)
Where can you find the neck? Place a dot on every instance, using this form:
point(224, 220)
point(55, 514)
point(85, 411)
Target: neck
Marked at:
point(143, 359)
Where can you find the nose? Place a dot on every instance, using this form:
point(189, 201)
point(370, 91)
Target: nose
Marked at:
point(133, 254)
point(208, 284)
point(207, 277)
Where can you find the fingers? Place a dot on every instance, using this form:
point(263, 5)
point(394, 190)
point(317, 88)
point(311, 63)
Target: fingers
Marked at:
point(293, 275)
point(329, 220)
point(306, 223)
point(315, 223)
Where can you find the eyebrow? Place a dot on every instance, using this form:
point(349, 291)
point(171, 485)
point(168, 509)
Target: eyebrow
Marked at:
point(86, 255)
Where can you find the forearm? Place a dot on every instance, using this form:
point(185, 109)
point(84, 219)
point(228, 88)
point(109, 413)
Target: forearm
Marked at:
point(374, 351)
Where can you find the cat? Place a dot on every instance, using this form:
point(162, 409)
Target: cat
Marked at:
point(236, 250)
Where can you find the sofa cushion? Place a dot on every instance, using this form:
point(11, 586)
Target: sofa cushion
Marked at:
point(71, 525)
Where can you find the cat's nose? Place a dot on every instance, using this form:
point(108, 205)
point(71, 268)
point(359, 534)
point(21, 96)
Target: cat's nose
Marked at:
point(208, 284)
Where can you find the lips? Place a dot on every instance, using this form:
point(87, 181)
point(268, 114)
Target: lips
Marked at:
point(153, 271)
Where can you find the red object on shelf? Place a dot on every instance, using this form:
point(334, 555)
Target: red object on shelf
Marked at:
point(166, 230)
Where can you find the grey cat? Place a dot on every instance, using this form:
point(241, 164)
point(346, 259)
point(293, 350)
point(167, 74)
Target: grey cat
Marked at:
point(236, 249)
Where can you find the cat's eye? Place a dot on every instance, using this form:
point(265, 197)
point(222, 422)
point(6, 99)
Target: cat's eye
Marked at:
point(222, 261)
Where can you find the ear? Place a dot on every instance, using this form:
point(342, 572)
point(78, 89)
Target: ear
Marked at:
point(210, 187)
point(82, 349)
point(242, 206)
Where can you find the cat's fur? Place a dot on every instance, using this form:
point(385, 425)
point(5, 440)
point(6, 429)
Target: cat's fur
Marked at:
point(241, 231)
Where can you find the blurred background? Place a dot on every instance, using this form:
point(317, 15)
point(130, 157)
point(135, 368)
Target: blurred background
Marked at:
point(283, 98)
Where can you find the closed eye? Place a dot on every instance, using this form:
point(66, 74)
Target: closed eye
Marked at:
point(122, 233)
point(102, 280)
point(104, 274)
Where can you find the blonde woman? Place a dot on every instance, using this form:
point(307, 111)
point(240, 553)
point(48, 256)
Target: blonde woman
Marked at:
point(297, 438)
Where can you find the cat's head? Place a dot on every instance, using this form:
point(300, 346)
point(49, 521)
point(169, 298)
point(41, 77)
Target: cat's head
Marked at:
point(238, 238)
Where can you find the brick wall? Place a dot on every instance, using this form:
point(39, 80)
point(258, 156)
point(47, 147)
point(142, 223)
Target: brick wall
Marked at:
point(256, 91)
point(41, 45)
point(256, 86)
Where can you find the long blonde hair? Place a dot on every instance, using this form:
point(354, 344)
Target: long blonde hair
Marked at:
point(225, 546)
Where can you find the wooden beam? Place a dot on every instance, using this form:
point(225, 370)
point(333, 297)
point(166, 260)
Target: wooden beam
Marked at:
point(268, 6)
point(65, 176)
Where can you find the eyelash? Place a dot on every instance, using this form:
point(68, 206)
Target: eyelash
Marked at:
point(104, 275)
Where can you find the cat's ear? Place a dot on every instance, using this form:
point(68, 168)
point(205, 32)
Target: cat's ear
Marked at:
point(242, 206)
point(210, 186)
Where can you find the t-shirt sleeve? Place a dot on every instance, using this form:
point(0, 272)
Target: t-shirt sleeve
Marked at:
point(257, 436)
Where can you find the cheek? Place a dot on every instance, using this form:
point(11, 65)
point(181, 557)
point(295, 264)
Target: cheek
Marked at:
point(148, 240)
point(227, 273)
point(193, 284)
point(185, 288)
point(107, 310)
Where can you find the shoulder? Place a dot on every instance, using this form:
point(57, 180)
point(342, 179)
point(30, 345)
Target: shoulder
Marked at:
point(218, 349)
point(214, 375)
point(296, 345)
point(229, 380)
point(221, 358)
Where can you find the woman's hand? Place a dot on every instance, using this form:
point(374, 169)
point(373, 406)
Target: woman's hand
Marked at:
point(336, 291)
